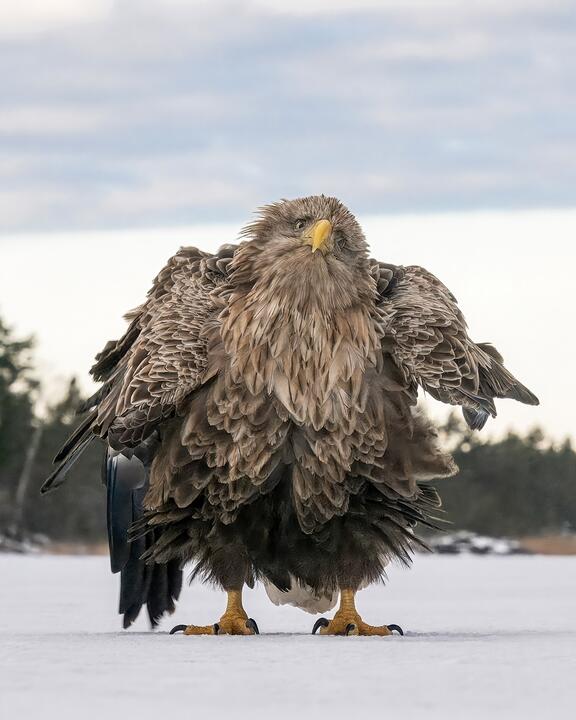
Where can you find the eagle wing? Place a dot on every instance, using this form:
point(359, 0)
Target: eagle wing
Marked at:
point(168, 358)
point(426, 335)
point(159, 361)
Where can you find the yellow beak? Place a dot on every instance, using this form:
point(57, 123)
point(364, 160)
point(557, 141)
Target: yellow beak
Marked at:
point(317, 235)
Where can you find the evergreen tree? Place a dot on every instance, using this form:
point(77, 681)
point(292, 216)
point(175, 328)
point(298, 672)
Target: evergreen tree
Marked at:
point(512, 487)
point(17, 396)
point(77, 511)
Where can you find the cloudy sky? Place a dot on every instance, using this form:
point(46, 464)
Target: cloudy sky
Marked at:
point(130, 127)
point(126, 113)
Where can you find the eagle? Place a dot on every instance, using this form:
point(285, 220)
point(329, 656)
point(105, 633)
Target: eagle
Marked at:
point(261, 423)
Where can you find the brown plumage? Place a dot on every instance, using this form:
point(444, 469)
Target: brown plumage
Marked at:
point(271, 390)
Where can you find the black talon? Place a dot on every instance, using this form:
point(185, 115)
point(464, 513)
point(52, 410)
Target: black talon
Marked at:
point(251, 625)
point(396, 628)
point(350, 628)
point(322, 623)
point(177, 629)
point(216, 628)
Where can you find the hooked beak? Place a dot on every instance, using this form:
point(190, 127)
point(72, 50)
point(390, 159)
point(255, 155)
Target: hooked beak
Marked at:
point(318, 234)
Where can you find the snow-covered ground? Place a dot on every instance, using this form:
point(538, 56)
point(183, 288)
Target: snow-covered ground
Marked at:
point(487, 637)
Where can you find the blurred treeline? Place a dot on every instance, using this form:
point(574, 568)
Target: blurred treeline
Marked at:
point(513, 487)
point(77, 510)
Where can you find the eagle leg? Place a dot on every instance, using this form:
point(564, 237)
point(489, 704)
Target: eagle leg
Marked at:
point(347, 621)
point(235, 621)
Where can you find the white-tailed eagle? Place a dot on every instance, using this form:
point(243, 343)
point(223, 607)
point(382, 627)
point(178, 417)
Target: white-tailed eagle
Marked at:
point(260, 419)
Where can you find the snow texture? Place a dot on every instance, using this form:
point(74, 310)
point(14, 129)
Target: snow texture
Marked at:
point(487, 637)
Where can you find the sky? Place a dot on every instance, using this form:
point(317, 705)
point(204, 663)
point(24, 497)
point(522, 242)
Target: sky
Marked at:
point(130, 127)
point(139, 113)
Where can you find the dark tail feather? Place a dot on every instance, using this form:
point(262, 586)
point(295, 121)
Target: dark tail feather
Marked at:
point(135, 577)
point(164, 590)
point(59, 475)
point(154, 585)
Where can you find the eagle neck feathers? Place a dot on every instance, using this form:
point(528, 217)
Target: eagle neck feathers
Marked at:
point(308, 342)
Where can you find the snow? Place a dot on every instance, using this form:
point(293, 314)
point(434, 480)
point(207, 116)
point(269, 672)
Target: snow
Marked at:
point(487, 637)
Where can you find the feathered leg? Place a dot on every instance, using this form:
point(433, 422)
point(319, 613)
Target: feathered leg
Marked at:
point(235, 621)
point(347, 621)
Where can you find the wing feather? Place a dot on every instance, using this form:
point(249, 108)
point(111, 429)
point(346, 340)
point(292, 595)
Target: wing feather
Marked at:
point(168, 357)
point(160, 359)
point(427, 336)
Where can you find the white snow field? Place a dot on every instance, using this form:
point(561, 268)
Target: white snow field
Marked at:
point(486, 637)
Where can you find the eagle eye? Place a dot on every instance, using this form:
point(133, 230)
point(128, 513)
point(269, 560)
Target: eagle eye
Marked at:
point(340, 239)
point(300, 224)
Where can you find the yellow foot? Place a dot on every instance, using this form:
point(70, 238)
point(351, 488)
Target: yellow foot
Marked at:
point(227, 625)
point(235, 621)
point(352, 624)
point(347, 621)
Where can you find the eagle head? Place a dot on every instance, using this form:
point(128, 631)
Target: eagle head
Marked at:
point(309, 253)
point(299, 315)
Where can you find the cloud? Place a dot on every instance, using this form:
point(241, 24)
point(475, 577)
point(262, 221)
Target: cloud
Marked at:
point(36, 16)
point(428, 8)
point(42, 120)
point(161, 112)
